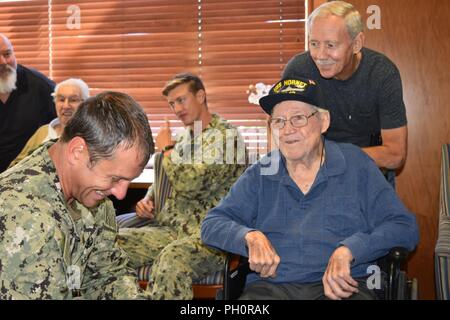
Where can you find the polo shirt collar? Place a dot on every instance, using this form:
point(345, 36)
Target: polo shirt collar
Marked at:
point(334, 164)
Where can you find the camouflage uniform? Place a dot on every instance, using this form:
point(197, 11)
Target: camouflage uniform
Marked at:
point(52, 250)
point(201, 172)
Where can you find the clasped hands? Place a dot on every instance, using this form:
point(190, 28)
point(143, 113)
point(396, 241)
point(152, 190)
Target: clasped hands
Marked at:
point(145, 208)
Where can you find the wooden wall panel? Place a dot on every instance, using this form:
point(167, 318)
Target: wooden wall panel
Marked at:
point(415, 35)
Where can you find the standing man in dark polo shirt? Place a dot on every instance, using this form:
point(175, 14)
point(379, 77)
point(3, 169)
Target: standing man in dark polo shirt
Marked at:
point(362, 88)
point(25, 103)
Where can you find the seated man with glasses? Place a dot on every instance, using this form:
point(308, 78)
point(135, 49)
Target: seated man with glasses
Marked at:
point(68, 95)
point(312, 215)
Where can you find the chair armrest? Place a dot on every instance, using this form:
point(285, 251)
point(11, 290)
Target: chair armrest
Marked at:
point(395, 259)
point(392, 265)
point(399, 254)
point(236, 270)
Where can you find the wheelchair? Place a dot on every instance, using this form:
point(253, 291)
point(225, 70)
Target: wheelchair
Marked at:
point(395, 284)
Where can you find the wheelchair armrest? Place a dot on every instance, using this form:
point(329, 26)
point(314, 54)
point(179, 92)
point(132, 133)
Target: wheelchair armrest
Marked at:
point(398, 254)
point(396, 257)
point(235, 274)
point(392, 265)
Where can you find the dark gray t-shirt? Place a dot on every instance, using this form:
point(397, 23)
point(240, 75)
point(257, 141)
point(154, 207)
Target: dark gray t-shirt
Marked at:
point(370, 100)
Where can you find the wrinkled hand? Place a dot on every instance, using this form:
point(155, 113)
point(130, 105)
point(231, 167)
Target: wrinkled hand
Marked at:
point(145, 209)
point(262, 257)
point(164, 137)
point(337, 280)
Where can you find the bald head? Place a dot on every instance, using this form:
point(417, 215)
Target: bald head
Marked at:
point(7, 55)
point(4, 38)
point(8, 67)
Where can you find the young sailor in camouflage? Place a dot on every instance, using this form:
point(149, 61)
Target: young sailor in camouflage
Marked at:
point(207, 159)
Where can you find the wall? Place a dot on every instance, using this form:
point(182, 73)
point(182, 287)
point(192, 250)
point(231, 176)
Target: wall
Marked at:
point(415, 35)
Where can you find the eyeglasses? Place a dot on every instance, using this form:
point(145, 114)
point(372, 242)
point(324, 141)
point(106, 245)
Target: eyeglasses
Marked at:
point(73, 100)
point(296, 121)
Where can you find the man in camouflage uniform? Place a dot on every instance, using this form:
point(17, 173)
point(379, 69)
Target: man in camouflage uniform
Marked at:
point(57, 226)
point(206, 160)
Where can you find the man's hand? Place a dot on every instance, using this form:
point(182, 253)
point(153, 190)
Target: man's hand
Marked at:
point(337, 281)
point(262, 257)
point(145, 209)
point(164, 137)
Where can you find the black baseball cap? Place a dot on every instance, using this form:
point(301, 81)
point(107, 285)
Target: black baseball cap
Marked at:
point(298, 89)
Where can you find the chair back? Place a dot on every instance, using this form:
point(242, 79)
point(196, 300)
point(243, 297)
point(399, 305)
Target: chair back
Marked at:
point(442, 250)
point(162, 188)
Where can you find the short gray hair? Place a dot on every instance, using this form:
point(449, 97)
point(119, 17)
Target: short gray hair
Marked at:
point(84, 89)
point(351, 16)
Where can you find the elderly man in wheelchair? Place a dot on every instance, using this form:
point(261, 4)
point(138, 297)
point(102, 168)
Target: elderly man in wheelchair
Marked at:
point(313, 215)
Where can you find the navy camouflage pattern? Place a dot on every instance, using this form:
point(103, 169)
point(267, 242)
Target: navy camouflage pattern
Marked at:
point(53, 250)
